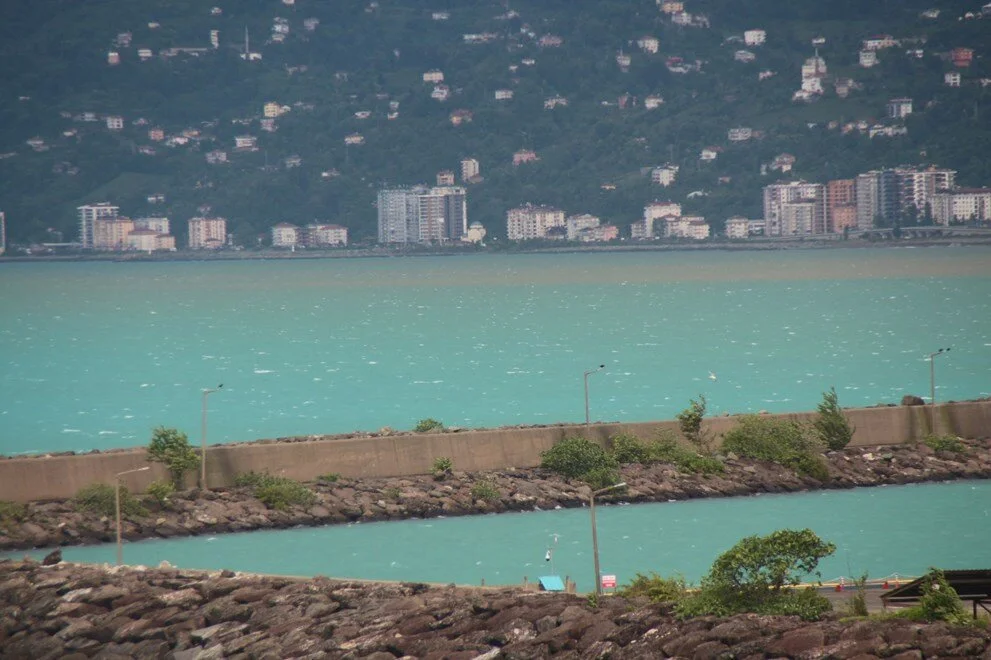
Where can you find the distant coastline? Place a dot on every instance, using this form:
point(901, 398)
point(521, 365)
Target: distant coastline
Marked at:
point(418, 251)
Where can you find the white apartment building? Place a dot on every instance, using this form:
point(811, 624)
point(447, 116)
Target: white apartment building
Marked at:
point(115, 123)
point(285, 235)
point(469, 169)
point(898, 108)
point(149, 240)
point(433, 76)
point(88, 214)
point(528, 222)
point(322, 235)
point(754, 37)
point(796, 207)
point(961, 205)
point(737, 227)
point(867, 58)
point(504, 95)
point(693, 227)
point(664, 175)
point(422, 215)
point(207, 233)
point(739, 134)
point(649, 44)
point(576, 224)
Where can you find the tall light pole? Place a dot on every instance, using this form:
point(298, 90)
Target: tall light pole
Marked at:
point(120, 545)
point(595, 538)
point(587, 374)
point(932, 387)
point(206, 393)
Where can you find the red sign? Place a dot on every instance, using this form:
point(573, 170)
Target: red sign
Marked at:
point(608, 581)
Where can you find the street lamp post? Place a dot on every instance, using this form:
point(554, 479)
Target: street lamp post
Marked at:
point(206, 393)
point(587, 374)
point(120, 544)
point(595, 537)
point(932, 387)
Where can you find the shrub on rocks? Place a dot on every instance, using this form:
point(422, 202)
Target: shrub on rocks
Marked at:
point(484, 490)
point(428, 424)
point(655, 588)
point(442, 467)
point(760, 575)
point(276, 492)
point(575, 456)
point(159, 492)
point(690, 422)
point(780, 441)
point(628, 448)
point(100, 498)
point(665, 449)
point(948, 443)
point(11, 513)
point(831, 425)
point(171, 447)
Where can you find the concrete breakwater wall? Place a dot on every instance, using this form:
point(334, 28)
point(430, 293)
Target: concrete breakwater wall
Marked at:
point(400, 454)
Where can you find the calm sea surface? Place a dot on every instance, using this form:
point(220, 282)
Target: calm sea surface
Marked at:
point(94, 355)
point(881, 531)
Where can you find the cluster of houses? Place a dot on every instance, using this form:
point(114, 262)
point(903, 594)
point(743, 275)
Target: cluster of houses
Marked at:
point(315, 235)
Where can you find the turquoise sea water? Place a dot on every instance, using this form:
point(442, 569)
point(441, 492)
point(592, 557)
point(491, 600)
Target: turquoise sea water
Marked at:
point(94, 355)
point(881, 531)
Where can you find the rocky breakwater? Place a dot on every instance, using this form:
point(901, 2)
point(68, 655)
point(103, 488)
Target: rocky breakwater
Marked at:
point(43, 524)
point(74, 612)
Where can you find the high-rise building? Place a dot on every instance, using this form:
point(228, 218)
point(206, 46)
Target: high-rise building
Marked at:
point(3, 232)
point(159, 225)
point(469, 169)
point(88, 214)
point(841, 205)
point(961, 205)
point(917, 187)
point(795, 208)
point(422, 215)
point(207, 233)
point(111, 233)
point(892, 194)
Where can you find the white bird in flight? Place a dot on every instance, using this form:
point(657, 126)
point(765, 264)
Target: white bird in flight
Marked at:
point(712, 376)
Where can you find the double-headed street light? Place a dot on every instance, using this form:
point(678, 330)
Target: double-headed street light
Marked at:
point(587, 374)
point(932, 387)
point(206, 393)
point(120, 545)
point(595, 538)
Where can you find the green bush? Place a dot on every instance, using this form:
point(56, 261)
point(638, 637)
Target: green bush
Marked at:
point(690, 422)
point(253, 479)
point(778, 441)
point(484, 490)
point(810, 464)
point(758, 575)
point(697, 464)
point(11, 513)
point(392, 493)
point(601, 477)
point(655, 588)
point(575, 456)
point(945, 443)
point(160, 491)
point(442, 467)
point(171, 447)
point(831, 426)
point(99, 498)
point(939, 602)
point(282, 493)
point(627, 448)
point(331, 477)
point(428, 424)
point(665, 449)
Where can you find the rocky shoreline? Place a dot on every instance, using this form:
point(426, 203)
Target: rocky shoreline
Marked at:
point(49, 524)
point(74, 612)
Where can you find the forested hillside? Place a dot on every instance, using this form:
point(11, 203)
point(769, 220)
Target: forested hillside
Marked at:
point(362, 55)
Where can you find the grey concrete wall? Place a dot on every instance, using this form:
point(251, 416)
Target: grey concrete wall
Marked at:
point(56, 477)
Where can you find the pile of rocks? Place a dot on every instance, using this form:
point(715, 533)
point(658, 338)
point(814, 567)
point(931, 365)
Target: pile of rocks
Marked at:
point(347, 500)
point(71, 611)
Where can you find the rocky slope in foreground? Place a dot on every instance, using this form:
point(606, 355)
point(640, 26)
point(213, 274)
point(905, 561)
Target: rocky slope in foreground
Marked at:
point(348, 500)
point(74, 612)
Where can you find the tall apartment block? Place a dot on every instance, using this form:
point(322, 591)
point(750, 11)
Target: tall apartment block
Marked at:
point(3, 232)
point(207, 233)
point(841, 205)
point(88, 216)
point(422, 215)
point(795, 208)
point(528, 221)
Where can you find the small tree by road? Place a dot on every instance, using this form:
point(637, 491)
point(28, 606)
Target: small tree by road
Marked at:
point(171, 448)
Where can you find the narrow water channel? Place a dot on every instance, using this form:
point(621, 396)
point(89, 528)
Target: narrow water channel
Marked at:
point(879, 531)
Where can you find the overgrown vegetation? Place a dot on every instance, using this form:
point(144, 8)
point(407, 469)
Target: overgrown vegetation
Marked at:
point(11, 513)
point(939, 602)
point(160, 491)
point(690, 422)
point(428, 424)
point(662, 449)
point(484, 490)
point(655, 588)
point(99, 498)
point(780, 441)
point(442, 468)
point(831, 426)
point(171, 447)
point(948, 443)
point(330, 477)
point(760, 574)
point(576, 457)
point(276, 492)
point(856, 605)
